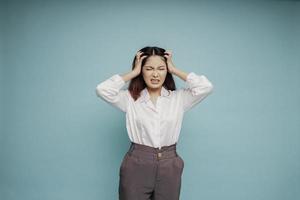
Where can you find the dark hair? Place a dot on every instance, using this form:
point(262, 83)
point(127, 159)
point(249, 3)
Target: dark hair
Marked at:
point(137, 84)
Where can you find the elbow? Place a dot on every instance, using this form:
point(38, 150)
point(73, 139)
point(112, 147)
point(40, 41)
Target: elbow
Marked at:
point(106, 93)
point(203, 86)
point(210, 88)
point(99, 90)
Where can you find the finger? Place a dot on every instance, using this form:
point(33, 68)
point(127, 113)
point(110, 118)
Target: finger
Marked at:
point(138, 56)
point(169, 52)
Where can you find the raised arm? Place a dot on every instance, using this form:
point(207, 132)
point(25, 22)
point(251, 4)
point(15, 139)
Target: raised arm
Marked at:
point(197, 86)
point(111, 91)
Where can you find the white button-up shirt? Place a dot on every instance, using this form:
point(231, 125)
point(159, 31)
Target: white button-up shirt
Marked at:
point(154, 125)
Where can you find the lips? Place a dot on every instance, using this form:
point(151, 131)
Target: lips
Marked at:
point(154, 81)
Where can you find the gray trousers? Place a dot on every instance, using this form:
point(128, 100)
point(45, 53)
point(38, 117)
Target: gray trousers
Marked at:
point(148, 173)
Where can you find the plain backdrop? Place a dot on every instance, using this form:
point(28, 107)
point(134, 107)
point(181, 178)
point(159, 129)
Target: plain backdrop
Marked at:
point(59, 141)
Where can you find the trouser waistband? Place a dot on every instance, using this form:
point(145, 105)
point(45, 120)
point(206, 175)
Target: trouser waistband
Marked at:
point(164, 152)
point(152, 149)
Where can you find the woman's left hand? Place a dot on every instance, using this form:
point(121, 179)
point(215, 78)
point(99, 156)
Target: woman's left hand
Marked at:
point(170, 65)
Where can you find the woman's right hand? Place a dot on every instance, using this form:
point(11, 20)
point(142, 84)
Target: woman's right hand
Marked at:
point(138, 62)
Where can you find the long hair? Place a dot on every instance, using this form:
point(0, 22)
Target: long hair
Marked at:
point(137, 84)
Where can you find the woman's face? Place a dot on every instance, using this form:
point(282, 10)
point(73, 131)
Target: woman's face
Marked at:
point(154, 71)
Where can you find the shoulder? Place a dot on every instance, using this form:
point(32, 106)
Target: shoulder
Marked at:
point(175, 93)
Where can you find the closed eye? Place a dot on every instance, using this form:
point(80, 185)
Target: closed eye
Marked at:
point(150, 68)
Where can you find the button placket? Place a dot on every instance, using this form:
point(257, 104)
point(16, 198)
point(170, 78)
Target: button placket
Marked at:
point(158, 120)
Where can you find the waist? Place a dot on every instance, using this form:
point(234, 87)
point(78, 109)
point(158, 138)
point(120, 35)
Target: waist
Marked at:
point(141, 150)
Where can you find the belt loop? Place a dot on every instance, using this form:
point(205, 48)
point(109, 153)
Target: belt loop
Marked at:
point(131, 148)
point(176, 149)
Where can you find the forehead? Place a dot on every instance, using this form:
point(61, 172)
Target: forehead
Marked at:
point(155, 61)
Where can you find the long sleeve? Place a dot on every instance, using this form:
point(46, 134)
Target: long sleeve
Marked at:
point(197, 88)
point(110, 91)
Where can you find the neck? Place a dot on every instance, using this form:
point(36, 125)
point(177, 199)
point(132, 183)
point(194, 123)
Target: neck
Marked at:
point(154, 91)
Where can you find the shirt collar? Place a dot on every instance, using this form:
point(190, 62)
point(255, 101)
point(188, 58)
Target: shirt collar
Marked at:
point(145, 96)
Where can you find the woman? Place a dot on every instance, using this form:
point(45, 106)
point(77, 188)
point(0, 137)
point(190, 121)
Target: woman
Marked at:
point(152, 168)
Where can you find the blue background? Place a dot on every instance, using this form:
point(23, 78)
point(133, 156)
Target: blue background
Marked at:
point(60, 141)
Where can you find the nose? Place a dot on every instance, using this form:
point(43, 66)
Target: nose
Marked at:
point(155, 73)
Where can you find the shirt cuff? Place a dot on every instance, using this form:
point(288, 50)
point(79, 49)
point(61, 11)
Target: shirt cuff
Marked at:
point(198, 83)
point(118, 81)
point(191, 80)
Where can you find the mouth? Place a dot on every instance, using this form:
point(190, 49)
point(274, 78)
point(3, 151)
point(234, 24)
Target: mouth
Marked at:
point(155, 81)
